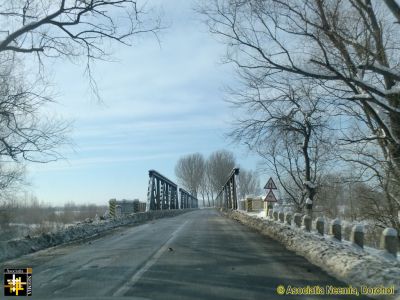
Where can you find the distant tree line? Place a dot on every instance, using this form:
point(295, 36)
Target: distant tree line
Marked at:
point(205, 177)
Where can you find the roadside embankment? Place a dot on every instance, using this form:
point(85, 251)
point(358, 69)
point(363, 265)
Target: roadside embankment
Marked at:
point(17, 247)
point(348, 263)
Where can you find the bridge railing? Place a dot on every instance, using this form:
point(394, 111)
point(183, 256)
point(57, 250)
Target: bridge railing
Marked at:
point(187, 200)
point(388, 238)
point(162, 194)
point(227, 196)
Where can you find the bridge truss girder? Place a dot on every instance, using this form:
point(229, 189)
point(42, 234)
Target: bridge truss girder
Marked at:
point(162, 193)
point(187, 200)
point(227, 197)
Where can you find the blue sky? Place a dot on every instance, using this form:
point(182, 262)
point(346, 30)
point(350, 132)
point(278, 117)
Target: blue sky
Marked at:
point(159, 102)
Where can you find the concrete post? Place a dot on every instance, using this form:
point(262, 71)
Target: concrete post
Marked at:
point(336, 229)
point(309, 205)
point(288, 218)
point(275, 213)
point(357, 235)
point(249, 204)
point(389, 241)
point(307, 223)
point(319, 225)
point(111, 207)
point(270, 212)
point(281, 216)
point(118, 211)
point(297, 219)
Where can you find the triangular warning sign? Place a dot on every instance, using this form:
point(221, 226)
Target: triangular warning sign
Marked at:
point(270, 197)
point(270, 185)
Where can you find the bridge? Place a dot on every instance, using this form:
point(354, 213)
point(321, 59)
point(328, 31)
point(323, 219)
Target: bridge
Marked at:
point(197, 254)
point(163, 194)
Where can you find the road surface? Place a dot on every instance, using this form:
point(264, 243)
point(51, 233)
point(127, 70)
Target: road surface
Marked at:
point(197, 255)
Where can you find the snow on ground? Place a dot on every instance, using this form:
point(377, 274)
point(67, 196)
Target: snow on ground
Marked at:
point(89, 228)
point(370, 250)
point(351, 264)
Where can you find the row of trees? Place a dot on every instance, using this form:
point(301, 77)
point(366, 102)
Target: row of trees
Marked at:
point(204, 177)
point(319, 93)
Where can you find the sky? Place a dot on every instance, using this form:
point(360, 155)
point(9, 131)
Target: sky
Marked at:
point(159, 101)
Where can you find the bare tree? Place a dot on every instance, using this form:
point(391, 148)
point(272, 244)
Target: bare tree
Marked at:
point(206, 177)
point(12, 176)
point(206, 187)
point(249, 183)
point(220, 164)
point(286, 123)
point(24, 134)
point(37, 29)
point(350, 46)
point(63, 28)
point(338, 196)
point(71, 28)
point(190, 172)
point(67, 29)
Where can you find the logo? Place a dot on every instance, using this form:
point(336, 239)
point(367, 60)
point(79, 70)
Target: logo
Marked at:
point(280, 289)
point(18, 282)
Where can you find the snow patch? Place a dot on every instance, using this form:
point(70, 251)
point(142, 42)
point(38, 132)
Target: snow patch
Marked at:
point(89, 228)
point(358, 228)
point(310, 184)
point(353, 265)
point(390, 232)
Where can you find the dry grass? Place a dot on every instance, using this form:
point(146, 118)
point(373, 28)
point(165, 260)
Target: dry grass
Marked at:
point(32, 218)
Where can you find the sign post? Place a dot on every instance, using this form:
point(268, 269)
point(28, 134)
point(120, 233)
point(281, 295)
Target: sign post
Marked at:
point(270, 198)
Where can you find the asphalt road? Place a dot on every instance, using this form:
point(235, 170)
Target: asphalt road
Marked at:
point(197, 255)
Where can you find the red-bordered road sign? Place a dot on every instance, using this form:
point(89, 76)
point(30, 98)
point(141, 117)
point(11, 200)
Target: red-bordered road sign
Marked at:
point(270, 197)
point(270, 185)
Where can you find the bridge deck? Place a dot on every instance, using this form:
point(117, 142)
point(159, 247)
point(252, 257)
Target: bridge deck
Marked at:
point(198, 255)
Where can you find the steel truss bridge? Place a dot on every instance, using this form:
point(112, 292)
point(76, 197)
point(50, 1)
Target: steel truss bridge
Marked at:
point(227, 197)
point(162, 193)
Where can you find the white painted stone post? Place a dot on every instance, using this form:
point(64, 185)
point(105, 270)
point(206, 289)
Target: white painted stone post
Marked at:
point(389, 241)
point(297, 219)
point(288, 218)
point(319, 225)
point(270, 212)
point(281, 216)
point(336, 229)
point(309, 205)
point(307, 223)
point(357, 235)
